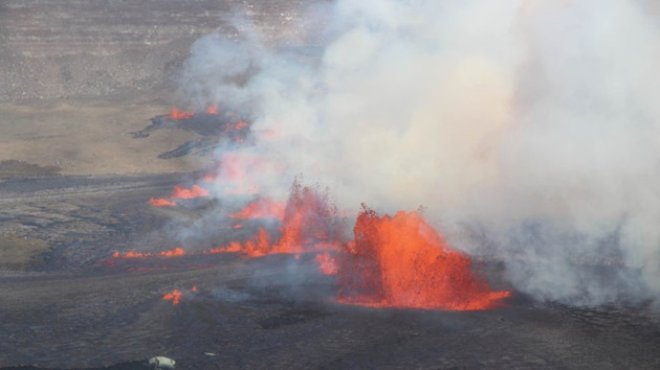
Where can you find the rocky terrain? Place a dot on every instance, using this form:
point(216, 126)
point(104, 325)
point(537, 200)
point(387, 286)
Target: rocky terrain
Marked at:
point(66, 49)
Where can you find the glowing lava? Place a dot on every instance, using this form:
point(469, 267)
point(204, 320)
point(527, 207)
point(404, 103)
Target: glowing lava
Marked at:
point(176, 252)
point(309, 222)
point(177, 114)
point(327, 264)
point(258, 246)
point(402, 261)
point(174, 296)
point(212, 110)
point(179, 192)
point(195, 191)
point(308, 225)
point(259, 209)
point(162, 202)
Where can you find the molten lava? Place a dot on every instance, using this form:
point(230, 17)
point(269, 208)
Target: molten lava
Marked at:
point(177, 114)
point(179, 192)
point(309, 222)
point(393, 261)
point(195, 191)
point(402, 261)
point(176, 252)
point(212, 110)
point(162, 202)
point(258, 246)
point(131, 254)
point(261, 208)
point(327, 264)
point(174, 296)
point(308, 225)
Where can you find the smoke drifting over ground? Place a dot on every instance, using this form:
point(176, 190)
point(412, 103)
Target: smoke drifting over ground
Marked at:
point(529, 130)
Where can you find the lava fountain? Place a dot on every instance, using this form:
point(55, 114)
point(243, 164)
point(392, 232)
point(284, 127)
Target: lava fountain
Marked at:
point(401, 261)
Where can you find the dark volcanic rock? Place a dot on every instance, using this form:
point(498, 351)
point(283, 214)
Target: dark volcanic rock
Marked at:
point(137, 365)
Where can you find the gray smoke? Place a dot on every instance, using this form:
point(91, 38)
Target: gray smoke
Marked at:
point(529, 130)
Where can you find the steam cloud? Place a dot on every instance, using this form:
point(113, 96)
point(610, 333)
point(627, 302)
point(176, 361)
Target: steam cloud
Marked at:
point(529, 130)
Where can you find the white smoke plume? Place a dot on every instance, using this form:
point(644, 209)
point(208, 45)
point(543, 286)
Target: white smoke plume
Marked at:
point(528, 129)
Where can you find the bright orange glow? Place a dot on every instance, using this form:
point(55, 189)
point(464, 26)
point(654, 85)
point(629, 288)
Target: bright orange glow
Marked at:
point(307, 226)
point(176, 252)
point(177, 114)
point(131, 254)
point(174, 296)
point(308, 223)
point(258, 246)
point(195, 191)
point(162, 202)
point(402, 261)
point(261, 208)
point(327, 264)
point(212, 109)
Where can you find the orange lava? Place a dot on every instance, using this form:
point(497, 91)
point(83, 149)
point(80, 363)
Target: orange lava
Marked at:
point(162, 202)
point(174, 296)
point(308, 225)
point(212, 109)
point(402, 261)
point(176, 252)
point(195, 191)
point(327, 264)
point(258, 246)
point(177, 114)
point(309, 222)
point(261, 208)
point(179, 192)
point(131, 254)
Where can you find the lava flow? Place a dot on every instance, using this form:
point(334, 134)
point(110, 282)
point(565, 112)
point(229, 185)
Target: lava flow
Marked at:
point(179, 192)
point(402, 261)
point(178, 115)
point(261, 208)
point(212, 110)
point(162, 202)
point(174, 296)
point(176, 252)
point(195, 191)
point(393, 261)
point(308, 225)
